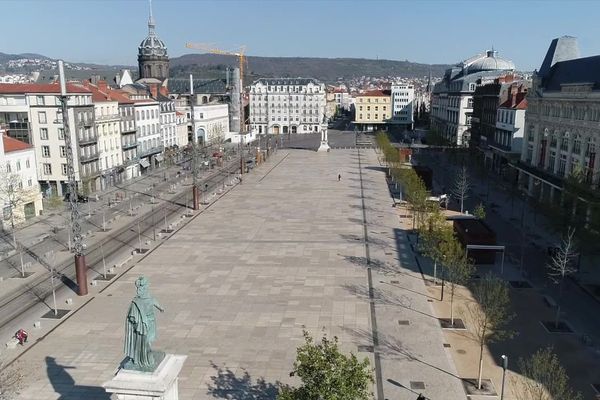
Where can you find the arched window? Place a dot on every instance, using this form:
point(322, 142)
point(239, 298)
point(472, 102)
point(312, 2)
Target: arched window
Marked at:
point(160, 71)
point(148, 71)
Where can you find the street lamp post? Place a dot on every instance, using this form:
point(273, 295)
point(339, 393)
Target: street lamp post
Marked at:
point(504, 367)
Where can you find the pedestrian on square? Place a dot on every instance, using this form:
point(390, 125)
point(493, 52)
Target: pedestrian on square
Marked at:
point(339, 177)
point(21, 336)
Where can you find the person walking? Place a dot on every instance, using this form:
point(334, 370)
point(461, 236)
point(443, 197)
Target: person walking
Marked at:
point(339, 177)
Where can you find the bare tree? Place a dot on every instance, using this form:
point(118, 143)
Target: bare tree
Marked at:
point(458, 268)
point(12, 194)
point(560, 265)
point(543, 378)
point(461, 187)
point(11, 380)
point(490, 314)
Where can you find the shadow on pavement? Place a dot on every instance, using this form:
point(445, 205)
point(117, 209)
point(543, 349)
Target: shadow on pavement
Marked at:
point(225, 384)
point(64, 384)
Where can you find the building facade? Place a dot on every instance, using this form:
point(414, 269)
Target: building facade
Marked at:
point(149, 140)
point(46, 133)
point(403, 101)
point(506, 144)
point(287, 105)
point(19, 189)
point(211, 122)
point(373, 110)
point(168, 123)
point(452, 97)
point(562, 123)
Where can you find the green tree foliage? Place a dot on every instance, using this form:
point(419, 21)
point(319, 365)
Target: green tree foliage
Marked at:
point(432, 234)
point(490, 314)
point(543, 378)
point(328, 374)
point(479, 212)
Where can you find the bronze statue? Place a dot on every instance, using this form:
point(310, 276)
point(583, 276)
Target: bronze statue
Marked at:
point(140, 329)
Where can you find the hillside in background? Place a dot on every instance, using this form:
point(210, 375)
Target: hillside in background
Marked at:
point(327, 69)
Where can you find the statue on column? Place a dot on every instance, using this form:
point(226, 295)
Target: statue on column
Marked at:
point(324, 141)
point(140, 329)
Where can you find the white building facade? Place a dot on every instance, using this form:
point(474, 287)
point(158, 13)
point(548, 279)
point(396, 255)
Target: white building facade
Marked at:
point(452, 97)
point(403, 100)
point(287, 105)
point(211, 123)
point(19, 189)
point(147, 122)
point(168, 123)
point(108, 126)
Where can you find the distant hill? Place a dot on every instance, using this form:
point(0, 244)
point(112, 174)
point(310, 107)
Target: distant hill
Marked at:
point(326, 69)
point(10, 63)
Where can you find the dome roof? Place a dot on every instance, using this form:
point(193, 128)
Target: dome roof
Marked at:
point(152, 45)
point(490, 62)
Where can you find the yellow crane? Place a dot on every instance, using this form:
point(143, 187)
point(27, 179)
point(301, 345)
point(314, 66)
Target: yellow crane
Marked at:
point(240, 54)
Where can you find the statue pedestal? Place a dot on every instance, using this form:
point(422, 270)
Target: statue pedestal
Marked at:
point(324, 146)
point(158, 385)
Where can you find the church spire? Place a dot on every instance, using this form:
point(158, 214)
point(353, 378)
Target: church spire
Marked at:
point(151, 22)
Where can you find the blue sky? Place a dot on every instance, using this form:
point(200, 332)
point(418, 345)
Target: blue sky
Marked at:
point(429, 31)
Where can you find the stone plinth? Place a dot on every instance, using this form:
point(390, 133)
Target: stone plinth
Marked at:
point(158, 385)
point(324, 146)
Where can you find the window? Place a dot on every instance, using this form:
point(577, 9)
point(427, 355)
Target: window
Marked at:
point(29, 182)
point(577, 145)
point(530, 133)
point(63, 169)
point(562, 165)
point(27, 163)
point(61, 133)
point(42, 117)
point(40, 100)
point(46, 151)
point(44, 133)
point(8, 167)
point(63, 151)
point(18, 165)
point(470, 103)
point(47, 169)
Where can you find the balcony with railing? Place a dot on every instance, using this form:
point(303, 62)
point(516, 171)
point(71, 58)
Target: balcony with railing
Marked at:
point(109, 117)
point(90, 156)
point(129, 145)
point(151, 151)
point(87, 139)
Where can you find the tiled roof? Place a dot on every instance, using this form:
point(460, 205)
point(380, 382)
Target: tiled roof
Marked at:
point(22, 88)
point(375, 93)
point(12, 144)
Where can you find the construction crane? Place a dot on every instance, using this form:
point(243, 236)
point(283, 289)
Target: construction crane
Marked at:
point(241, 55)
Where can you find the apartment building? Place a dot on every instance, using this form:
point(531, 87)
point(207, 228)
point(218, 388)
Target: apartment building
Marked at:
point(39, 122)
point(452, 97)
point(403, 105)
point(373, 110)
point(147, 122)
point(20, 194)
point(168, 122)
point(287, 105)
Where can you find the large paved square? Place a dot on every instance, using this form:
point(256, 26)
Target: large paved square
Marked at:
point(283, 252)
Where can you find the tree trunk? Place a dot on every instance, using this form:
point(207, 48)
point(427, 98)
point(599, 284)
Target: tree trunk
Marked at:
point(452, 305)
point(480, 365)
point(462, 200)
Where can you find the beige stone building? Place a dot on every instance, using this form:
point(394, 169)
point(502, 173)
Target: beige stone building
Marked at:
point(373, 110)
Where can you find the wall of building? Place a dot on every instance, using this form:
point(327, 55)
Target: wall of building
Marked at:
point(211, 122)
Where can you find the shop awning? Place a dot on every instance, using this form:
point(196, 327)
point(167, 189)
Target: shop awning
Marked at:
point(144, 163)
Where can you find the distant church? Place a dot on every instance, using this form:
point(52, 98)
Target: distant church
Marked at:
point(153, 61)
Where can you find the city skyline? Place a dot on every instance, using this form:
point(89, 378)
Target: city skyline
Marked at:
point(405, 31)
